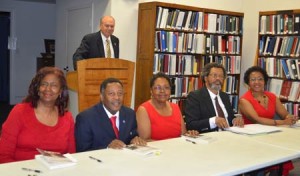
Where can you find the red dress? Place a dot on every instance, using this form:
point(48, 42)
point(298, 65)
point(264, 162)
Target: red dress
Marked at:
point(260, 110)
point(164, 127)
point(22, 133)
point(266, 113)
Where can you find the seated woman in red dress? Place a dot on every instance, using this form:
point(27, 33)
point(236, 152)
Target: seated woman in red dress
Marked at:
point(40, 121)
point(260, 106)
point(158, 118)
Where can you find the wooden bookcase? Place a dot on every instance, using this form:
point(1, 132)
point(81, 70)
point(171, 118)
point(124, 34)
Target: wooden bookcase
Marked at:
point(179, 40)
point(278, 52)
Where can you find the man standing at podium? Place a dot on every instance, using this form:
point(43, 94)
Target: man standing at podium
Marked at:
point(99, 44)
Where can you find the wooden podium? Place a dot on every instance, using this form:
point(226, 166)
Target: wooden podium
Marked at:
point(90, 74)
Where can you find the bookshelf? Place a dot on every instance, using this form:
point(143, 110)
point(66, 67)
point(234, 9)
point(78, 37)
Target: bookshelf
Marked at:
point(179, 40)
point(278, 52)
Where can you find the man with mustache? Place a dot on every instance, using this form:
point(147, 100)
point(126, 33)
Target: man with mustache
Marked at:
point(209, 109)
point(108, 123)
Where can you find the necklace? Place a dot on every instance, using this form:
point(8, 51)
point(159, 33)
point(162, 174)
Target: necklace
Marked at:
point(262, 99)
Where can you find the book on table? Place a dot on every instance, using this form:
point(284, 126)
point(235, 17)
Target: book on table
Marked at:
point(143, 150)
point(195, 139)
point(253, 129)
point(55, 160)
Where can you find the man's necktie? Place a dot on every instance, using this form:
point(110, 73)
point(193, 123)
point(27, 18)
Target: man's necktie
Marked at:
point(114, 125)
point(108, 52)
point(219, 109)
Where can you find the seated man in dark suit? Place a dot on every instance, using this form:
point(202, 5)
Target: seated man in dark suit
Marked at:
point(99, 44)
point(209, 109)
point(95, 127)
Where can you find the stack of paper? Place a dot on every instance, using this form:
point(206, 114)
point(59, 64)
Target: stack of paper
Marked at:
point(253, 129)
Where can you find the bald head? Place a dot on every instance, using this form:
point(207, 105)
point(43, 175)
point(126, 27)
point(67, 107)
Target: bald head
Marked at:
point(107, 25)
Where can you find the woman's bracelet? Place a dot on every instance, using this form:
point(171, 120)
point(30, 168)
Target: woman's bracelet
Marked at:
point(275, 123)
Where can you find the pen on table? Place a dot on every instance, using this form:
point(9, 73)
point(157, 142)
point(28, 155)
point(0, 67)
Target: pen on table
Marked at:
point(95, 159)
point(191, 141)
point(33, 170)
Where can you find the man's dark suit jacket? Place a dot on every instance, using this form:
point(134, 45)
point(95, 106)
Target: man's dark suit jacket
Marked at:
point(199, 108)
point(92, 47)
point(93, 129)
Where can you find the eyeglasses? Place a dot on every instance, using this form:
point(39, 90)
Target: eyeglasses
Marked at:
point(160, 88)
point(256, 79)
point(52, 85)
point(216, 76)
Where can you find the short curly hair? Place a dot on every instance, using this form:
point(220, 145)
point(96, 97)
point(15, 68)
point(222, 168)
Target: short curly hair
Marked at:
point(255, 69)
point(33, 90)
point(159, 75)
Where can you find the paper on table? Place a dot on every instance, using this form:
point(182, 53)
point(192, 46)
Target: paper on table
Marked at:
point(253, 129)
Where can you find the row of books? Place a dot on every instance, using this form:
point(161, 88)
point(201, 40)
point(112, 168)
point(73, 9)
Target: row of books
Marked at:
point(234, 100)
point(178, 64)
point(230, 85)
point(286, 90)
point(180, 42)
point(181, 103)
point(280, 24)
point(292, 108)
point(182, 86)
point(173, 64)
point(198, 21)
point(279, 46)
point(281, 68)
point(232, 64)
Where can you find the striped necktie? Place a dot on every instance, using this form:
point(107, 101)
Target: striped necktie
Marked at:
point(108, 52)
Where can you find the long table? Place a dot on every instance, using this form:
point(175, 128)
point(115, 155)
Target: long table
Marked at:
point(229, 154)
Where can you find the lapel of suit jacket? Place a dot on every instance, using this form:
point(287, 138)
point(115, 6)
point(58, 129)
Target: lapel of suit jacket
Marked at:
point(106, 121)
point(122, 123)
point(114, 44)
point(228, 107)
point(100, 44)
point(223, 97)
point(209, 104)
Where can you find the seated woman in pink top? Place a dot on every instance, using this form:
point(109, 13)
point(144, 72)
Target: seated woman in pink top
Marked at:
point(158, 118)
point(40, 121)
